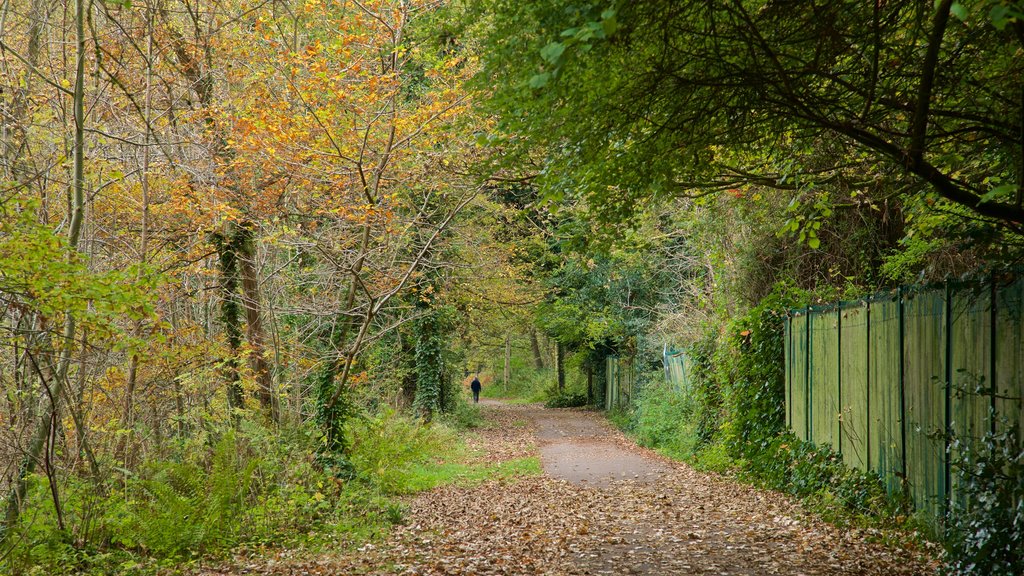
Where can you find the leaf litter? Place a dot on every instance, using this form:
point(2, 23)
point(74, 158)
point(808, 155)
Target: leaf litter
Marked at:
point(685, 522)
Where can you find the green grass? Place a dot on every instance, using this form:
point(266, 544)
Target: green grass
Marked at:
point(431, 475)
point(527, 386)
point(252, 490)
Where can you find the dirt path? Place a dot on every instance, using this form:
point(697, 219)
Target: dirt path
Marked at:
point(604, 506)
point(577, 447)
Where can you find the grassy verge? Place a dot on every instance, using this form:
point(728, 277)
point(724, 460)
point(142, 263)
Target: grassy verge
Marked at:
point(245, 491)
point(431, 475)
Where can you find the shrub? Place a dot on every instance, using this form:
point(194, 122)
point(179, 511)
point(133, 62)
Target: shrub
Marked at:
point(386, 446)
point(754, 370)
point(663, 418)
point(707, 392)
point(566, 399)
point(986, 532)
point(223, 489)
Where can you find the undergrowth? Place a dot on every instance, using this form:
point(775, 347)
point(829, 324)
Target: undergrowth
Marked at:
point(986, 534)
point(248, 487)
point(730, 420)
point(526, 385)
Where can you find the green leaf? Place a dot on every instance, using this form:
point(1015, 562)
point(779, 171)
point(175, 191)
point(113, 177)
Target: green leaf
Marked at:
point(1000, 16)
point(552, 52)
point(609, 25)
point(540, 80)
point(997, 192)
point(958, 10)
point(813, 243)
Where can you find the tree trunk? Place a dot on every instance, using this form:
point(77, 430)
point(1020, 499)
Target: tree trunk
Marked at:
point(508, 360)
point(13, 131)
point(133, 367)
point(590, 383)
point(246, 252)
point(538, 359)
point(560, 365)
point(230, 316)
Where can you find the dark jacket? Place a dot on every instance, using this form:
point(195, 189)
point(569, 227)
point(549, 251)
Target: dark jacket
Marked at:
point(475, 385)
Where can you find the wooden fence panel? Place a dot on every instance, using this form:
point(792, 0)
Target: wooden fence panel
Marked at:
point(884, 383)
point(970, 349)
point(799, 398)
point(824, 385)
point(853, 386)
point(885, 396)
point(1009, 346)
point(924, 388)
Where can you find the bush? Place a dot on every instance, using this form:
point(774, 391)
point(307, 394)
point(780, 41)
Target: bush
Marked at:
point(663, 418)
point(986, 532)
point(566, 399)
point(386, 446)
point(707, 391)
point(753, 367)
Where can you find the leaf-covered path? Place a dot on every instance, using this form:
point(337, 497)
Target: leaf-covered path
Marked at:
point(653, 517)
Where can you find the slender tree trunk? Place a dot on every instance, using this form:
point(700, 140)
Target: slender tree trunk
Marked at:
point(127, 444)
point(508, 360)
point(560, 365)
point(538, 358)
point(179, 402)
point(590, 383)
point(279, 373)
point(77, 409)
point(14, 128)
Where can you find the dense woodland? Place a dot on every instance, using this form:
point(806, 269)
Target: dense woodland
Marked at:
point(251, 250)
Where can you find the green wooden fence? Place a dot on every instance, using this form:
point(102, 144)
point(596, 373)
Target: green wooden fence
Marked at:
point(882, 380)
point(620, 381)
point(678, 369)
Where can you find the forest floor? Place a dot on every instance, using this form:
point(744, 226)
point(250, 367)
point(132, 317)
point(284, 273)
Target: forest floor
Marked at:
point(602, 506)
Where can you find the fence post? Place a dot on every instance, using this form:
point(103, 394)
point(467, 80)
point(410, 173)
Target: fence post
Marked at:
point(867, 375)
point(993, 339)
point(903, 395)
point(787, 356)
point(807, 380)
point(947, 476)
point(839, 376)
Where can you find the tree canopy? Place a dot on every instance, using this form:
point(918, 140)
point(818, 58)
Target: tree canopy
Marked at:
point(634, 100)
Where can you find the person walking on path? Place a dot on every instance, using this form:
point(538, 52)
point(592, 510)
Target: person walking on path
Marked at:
point(475, 387)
